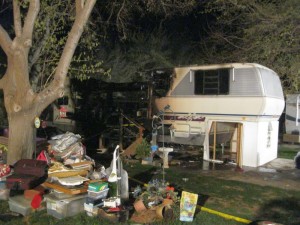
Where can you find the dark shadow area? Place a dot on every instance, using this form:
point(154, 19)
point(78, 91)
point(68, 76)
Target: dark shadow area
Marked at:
point(6, 217)
point(284, 211)
point(202, 198)
point(102, 159)
point(144, 177)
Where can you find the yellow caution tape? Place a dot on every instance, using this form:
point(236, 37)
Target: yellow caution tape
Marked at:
point(224, 215)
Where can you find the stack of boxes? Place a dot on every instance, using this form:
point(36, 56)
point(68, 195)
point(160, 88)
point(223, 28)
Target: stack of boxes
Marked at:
point(97, 192)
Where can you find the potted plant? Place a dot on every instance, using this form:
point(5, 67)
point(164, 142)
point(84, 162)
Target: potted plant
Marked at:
point(143, 151)
point(158, 193)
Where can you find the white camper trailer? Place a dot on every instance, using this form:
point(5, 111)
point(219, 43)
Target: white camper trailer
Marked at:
point(292, 119)
point(234, 105)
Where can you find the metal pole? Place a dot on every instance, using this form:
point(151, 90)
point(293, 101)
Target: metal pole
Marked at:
point(163, 133)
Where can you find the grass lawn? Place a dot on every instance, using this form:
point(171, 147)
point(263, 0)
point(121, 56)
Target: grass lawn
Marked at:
point(244, 200)
point(288, 151)
point(247, 201)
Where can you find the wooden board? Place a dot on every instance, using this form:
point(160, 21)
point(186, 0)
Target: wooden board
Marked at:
point(66, 189)
point(293, 138)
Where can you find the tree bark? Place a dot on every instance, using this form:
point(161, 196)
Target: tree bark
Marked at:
point(21, 139)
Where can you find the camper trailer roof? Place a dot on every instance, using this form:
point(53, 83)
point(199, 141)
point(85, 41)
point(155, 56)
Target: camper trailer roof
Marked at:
point(225, 65)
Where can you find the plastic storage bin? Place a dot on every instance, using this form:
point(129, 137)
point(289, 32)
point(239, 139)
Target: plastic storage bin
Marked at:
point(61, 208)
point(91, 209)
point(4, 194)
point(61, 195)
point(98, 194)
point(20, 204)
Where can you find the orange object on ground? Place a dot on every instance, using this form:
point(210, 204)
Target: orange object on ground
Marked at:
point(29, 194)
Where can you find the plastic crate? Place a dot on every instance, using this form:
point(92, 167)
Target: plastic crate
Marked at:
point(62, 208)
point(4, 194)
point(20, 204)
point(61, 195)
point(98, 194)
point(91, 209)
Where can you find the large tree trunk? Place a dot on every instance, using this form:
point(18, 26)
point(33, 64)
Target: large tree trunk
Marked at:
point(22, 138)
point(21, 103)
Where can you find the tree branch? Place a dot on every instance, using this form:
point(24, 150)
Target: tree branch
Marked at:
point(17, 18)
point(56, 87)
point(79, 6)
point(33, 11)
point(5, 41)
point(37, 52)
point(73, 39)
point(120, 20)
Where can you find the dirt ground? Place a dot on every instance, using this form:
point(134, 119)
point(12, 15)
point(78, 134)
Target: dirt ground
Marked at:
point(280, 176)
point(278, 173)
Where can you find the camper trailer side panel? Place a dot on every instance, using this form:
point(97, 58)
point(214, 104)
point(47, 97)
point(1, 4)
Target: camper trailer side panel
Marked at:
point(267, 142)
point(249, 144)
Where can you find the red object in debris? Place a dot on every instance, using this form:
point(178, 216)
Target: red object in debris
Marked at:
point(168, 188)
point(43, 156)
point(36, 201)
point(116, 209)
point(63, 112)
point(4, 170)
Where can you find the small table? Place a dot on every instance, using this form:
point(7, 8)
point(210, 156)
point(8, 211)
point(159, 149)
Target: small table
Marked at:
point(165, 152)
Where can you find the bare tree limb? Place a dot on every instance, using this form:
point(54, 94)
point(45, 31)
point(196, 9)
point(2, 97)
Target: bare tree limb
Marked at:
point(120, 20)
point(33, 11)
point(79, 6)
point(17, 18)
point(111, 13)
point(73, 38)
point(56, 87)
point(37, 52)
point(5, 41)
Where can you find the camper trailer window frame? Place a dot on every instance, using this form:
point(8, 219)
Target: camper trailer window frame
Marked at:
point(212, 82)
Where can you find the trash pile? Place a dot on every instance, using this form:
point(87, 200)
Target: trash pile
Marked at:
point(65, 181)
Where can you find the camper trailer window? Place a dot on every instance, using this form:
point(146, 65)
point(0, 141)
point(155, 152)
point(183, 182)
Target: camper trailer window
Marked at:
point(212, 82)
